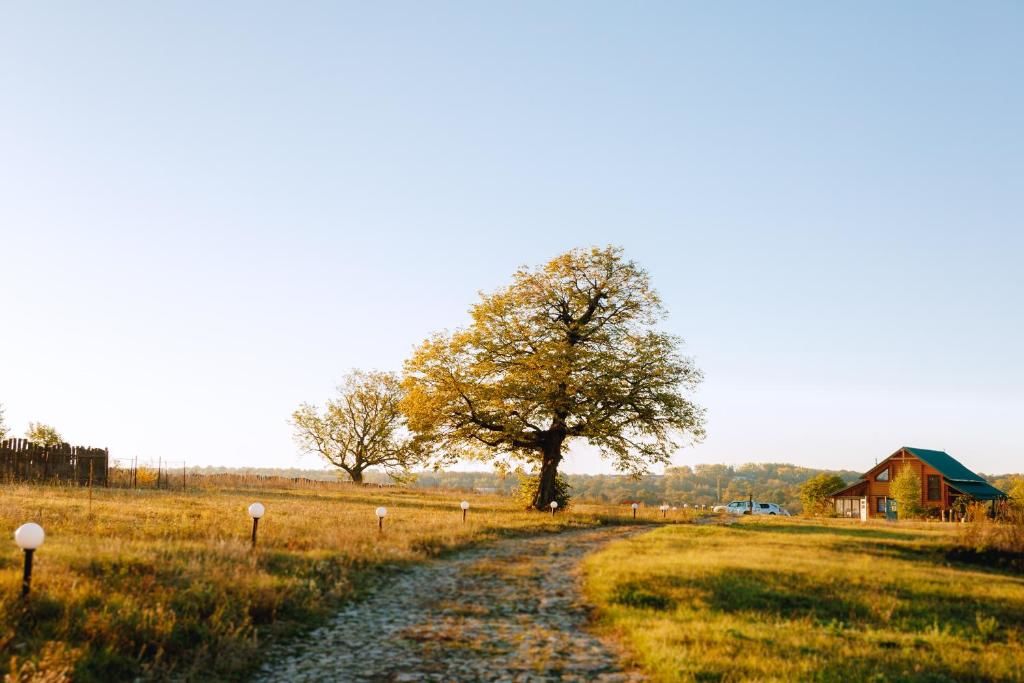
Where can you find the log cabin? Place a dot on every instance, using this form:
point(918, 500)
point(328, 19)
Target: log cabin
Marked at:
point(943, 480)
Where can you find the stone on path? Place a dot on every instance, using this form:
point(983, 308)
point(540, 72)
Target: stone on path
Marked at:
point(510, 611)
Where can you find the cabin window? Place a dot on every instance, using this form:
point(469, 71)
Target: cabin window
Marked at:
point(880, 504)
point(883, 475)
point(934, 487)
point(848, 507)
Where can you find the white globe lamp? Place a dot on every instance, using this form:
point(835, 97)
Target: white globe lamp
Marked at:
point(28, 536)
point(256, 511)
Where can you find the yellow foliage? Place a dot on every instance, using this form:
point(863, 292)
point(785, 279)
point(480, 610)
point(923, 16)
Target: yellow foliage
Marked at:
point(567, 351)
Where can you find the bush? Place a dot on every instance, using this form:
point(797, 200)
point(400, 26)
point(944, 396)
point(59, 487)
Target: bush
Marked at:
point(526, 490)
point(1017, 492)
point(906, 490)
point(814, 493)
point(981, 533)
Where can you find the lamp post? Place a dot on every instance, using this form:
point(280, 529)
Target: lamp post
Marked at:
point(634, 506)
point(465, 508)
point(554, 506)
point(28, 536)
point(256, 511)
point(381, 514)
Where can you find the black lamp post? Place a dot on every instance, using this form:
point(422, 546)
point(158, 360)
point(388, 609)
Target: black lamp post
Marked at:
point(256, 511)
point(28, 536)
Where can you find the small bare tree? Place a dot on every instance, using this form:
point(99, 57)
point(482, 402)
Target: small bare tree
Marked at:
point(360, 428)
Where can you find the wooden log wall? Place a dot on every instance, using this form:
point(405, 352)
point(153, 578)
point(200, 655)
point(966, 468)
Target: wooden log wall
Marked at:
point(22, 460)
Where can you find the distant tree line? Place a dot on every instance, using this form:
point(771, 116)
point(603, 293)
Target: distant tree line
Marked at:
point(698, 485)
point(706, 485)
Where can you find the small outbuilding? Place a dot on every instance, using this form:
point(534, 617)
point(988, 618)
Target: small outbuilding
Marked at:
point(943, 480)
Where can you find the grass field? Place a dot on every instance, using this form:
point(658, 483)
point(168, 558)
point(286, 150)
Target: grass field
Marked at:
point(790, 600)
point(164, 584)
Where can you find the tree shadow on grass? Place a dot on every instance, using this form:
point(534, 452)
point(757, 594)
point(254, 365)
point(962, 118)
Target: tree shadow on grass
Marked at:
point(769, 593)
point(808, 530)
point(780, 595)
point(923, 554)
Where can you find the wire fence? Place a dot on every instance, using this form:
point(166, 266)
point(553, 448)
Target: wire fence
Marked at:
point(174, 475)
point(141, 473)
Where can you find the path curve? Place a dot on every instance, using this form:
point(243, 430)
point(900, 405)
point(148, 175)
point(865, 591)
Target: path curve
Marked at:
point(507, 611)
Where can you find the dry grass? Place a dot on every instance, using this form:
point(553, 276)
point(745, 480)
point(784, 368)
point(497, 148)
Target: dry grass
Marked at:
point(164, 584)
point(782, 600)
point(984, 534)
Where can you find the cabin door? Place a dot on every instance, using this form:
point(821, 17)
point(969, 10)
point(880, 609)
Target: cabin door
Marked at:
point(863, 508)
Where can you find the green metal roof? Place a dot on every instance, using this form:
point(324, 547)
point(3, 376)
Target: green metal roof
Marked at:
point(958, 476)
point(847, 487)
point(980, 490)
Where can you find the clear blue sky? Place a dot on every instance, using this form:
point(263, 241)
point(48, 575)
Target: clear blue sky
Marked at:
point(210, 211)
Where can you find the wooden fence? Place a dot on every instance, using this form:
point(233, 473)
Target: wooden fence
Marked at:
point(22, 460)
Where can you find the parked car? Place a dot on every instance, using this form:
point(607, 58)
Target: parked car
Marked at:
point(742, 507)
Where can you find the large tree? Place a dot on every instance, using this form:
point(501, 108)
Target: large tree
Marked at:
point(360, 428)
point(568, 351)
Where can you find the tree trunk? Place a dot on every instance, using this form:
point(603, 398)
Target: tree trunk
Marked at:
point(548, 473)
point(357, 476)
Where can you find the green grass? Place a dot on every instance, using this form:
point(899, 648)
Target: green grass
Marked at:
point(780, 600)
point(165, 585)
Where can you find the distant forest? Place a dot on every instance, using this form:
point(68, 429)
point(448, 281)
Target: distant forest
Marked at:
point(698, 485)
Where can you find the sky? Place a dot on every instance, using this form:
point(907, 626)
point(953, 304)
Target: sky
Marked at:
point(210, 212)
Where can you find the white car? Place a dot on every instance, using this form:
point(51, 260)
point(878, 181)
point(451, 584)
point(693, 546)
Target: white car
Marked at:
point(743, 507)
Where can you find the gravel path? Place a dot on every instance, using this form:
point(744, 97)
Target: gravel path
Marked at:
point(509, 611)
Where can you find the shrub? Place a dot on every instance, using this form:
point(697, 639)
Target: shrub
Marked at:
point(814, 493)
point(906, 490)
point(1017, 493)
point(981, 533)
point(526, 490)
